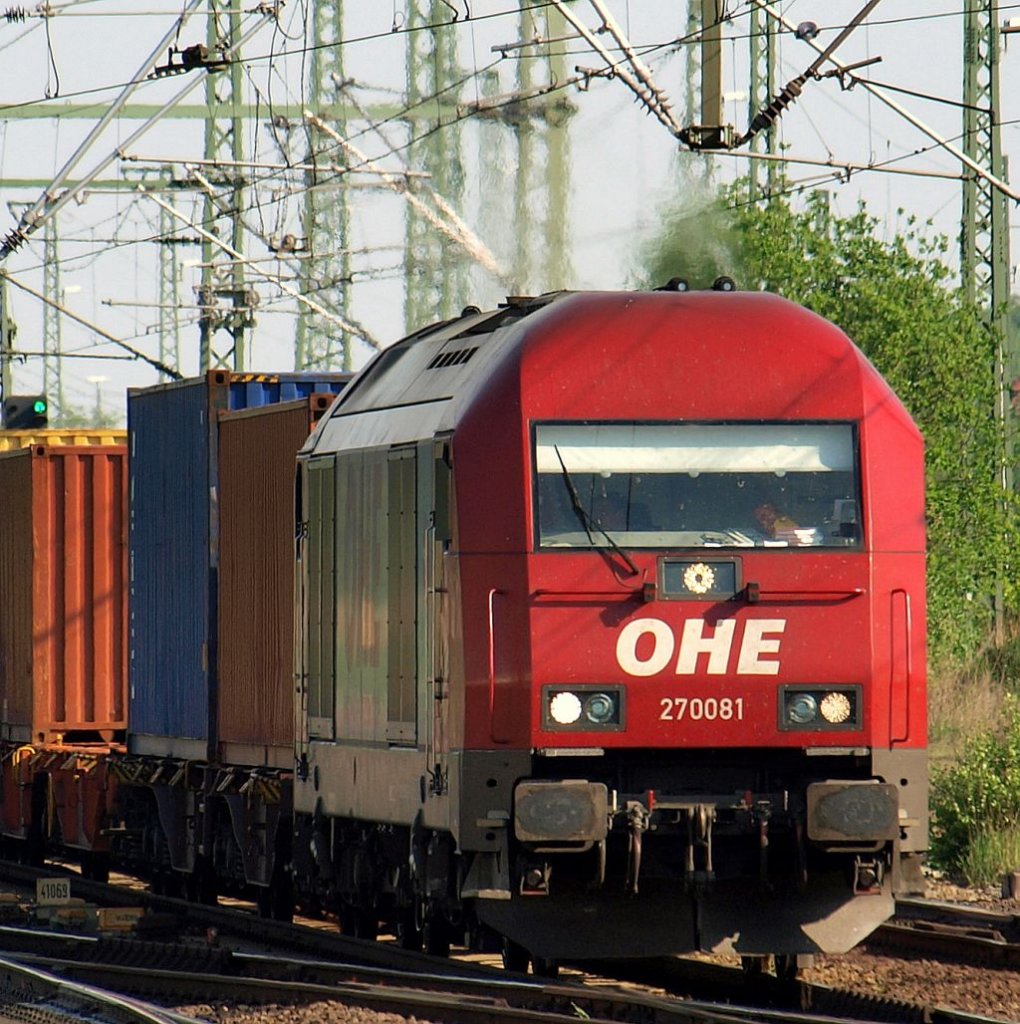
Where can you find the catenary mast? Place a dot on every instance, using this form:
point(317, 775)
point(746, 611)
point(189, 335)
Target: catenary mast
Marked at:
point(227, 302)
point(326, 270)
point(984, 235)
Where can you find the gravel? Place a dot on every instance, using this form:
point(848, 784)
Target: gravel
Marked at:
point(314, 1013)
point(980, 990)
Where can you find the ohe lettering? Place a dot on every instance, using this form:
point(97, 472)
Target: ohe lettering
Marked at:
point(709, 648)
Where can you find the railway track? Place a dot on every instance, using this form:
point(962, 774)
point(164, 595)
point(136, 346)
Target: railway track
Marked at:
point(29, 994)
point(323, 965)
point(952, 932)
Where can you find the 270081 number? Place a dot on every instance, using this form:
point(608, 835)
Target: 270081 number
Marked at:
point(702, 709)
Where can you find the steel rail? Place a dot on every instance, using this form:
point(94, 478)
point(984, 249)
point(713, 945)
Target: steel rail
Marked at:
point(39, 992)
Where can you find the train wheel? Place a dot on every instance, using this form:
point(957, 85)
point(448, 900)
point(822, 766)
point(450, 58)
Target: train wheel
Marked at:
point(201, 885)
point(358, 923)
point(515, 957)
point(436, 934)
point(753, 966)
point(786, 966)
point(408, 934)
point(543, 967)
point(96, 866)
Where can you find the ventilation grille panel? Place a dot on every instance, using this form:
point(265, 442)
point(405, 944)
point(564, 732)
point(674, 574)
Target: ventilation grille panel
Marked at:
point(457, 358)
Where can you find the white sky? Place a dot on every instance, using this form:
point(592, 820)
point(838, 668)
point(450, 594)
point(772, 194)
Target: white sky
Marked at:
point(623, 163)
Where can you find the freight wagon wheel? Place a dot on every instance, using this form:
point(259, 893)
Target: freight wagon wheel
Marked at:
point(515, 957)
point(202, 884)
point(96, 866)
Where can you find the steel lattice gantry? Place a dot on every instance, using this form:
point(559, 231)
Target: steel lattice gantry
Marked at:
point(227, 302)
point(436, 277)
point(984, 255)
point(541, 188)
point(762, 88)
point(984, 235)
point(169, 310)
point(326, 268)
point(53, 386)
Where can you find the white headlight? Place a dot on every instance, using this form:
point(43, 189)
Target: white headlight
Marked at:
point(565, 708)
point(835, 708)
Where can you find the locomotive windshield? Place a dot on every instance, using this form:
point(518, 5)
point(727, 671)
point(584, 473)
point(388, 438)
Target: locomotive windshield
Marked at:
point(697, 485)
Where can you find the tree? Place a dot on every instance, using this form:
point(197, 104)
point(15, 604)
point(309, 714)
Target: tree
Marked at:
point(896, 299)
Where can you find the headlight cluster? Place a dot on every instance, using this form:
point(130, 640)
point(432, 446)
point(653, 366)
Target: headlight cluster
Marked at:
point(818, 708)
point(582, 707)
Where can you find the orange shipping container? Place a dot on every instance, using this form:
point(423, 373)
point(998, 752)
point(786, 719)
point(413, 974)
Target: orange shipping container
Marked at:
point(257, 460)
point(63, 594)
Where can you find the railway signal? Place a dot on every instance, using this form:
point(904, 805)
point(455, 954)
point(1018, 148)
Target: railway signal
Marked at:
point(25, 412)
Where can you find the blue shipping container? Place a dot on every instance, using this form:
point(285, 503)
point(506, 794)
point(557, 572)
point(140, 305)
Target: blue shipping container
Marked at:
point(174, 549)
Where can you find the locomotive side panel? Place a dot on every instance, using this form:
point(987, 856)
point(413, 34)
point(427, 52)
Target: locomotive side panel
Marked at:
point(370, 557)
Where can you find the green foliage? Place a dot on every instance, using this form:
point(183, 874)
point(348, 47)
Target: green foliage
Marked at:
point(975, 804)
point(990, 855)
point(895, 298)
point(97, 418)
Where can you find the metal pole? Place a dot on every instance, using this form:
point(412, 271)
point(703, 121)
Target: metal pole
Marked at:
point(984, 234)
point(7, 332)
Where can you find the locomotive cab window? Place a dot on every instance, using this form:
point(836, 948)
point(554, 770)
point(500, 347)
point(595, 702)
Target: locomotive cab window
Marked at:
point(696, 485)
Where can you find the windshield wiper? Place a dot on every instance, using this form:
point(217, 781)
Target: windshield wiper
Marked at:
point(587, 521)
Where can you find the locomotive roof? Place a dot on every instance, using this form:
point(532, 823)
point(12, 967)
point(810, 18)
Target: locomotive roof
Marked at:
point(417, 379)
point(421, 385)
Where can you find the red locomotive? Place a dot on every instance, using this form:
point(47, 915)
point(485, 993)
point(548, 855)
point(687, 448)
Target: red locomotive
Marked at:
point(610, 638)
point(612, 634)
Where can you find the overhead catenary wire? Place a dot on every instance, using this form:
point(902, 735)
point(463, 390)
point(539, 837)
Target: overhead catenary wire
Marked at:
point(452, 226)
point(641, 70)
point(35, 214)
point(898, 108)
point(333, 318)
point(854, 168)
point(344, 322)
point(765, 118)
point(517, 98)
point(650, 95)
point(120, 343)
